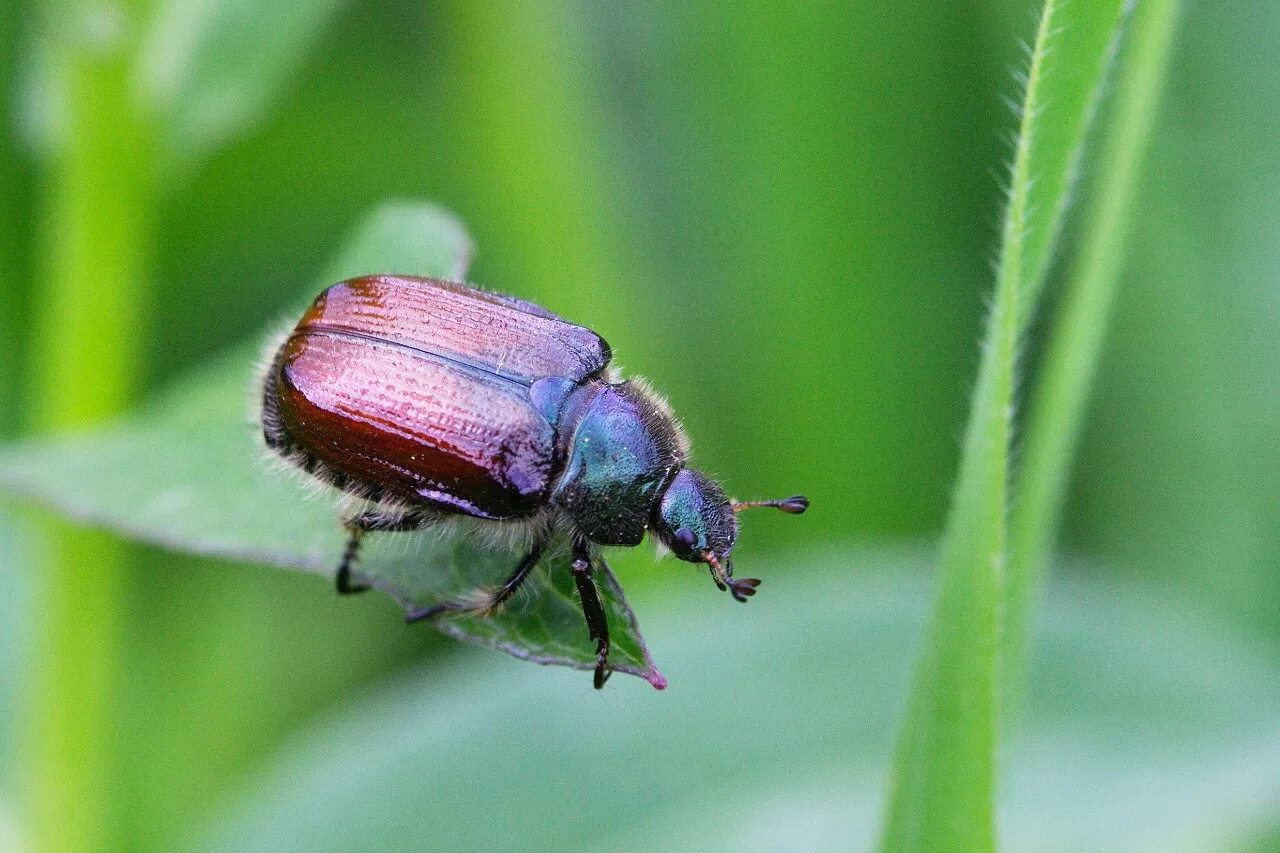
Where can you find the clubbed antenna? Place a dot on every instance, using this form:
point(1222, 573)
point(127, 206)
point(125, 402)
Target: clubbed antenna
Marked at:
point(795, 505)
point(740, 588)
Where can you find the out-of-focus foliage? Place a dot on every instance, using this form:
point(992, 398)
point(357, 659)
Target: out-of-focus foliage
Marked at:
point(944, 773)
point(783, 213)
point(14, 618)
point(15, 215)
point(1180, 467)
point(212, 68)
point(1125, 687)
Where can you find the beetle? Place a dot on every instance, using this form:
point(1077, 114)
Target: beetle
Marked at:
point(432, 399)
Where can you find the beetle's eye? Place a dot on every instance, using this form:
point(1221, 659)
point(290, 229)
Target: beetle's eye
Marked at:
point(685, 539)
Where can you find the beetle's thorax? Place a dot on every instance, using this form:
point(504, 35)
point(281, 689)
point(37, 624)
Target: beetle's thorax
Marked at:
point(621, 446)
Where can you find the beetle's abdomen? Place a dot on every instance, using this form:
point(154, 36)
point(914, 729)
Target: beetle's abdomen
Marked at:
point(412, 424)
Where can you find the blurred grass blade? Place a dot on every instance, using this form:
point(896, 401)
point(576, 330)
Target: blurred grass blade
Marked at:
point(1081, 50)
point(16, 185)
point(212, 67)
point(188, 472)
point(1075, 342)
point(944, 778)
point(1090, 771)
point(943, 783)
point(92, 283)
point(18, 559)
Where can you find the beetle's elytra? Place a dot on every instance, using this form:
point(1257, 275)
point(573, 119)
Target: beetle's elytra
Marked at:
point(430, 398)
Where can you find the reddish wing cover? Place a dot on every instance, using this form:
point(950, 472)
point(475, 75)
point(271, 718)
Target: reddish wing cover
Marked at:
point(421, 387)
point(514, 340)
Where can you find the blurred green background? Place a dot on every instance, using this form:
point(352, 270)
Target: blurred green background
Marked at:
point(783, 214)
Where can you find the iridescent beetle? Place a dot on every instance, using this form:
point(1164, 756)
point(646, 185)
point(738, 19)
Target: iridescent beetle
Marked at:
point(431, 399)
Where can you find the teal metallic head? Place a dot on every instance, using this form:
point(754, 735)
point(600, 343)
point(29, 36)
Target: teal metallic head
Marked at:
point(625, 476)
point(699, 524)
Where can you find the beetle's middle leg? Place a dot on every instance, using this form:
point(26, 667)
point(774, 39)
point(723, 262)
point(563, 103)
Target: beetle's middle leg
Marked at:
point(592, 610)
point(367, 522)
point(484, 601)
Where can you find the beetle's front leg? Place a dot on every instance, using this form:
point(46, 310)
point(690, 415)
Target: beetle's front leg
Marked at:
point(740, 588)
point(592, 610)
point(367, 522)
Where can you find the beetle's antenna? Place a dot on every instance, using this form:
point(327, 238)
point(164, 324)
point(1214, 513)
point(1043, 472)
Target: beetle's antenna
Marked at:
point(740, 588)
point(795, 505)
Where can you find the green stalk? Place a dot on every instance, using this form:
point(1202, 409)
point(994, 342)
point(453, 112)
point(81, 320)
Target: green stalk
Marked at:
point(528, 115)
point(1075, 343)
point(14, 185)
point(87, 311)
point(943, 795)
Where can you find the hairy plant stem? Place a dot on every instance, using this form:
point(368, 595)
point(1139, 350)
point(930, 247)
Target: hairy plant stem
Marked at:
point(97, 223)
point(1075, 342)
point(944, 787)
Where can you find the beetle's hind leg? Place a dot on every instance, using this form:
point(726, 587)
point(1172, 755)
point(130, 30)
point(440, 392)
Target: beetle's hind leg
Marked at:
point(342, 580)
point(592, 609)
point(484, 602)
point(367, 522)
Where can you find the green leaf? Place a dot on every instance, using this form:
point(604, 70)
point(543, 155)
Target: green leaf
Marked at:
point(944, 780)
point(189, 472)
point(1147, 730)
point(213, 67)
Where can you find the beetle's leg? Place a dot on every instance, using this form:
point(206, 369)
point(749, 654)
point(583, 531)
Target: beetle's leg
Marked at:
point(740, 588)
point(342, 580)
point(382, 520)
point(367, 522)
point(484, 602)
point(592, 610)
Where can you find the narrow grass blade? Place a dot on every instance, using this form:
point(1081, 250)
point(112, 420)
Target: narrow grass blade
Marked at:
point(943, 785)
point(1075, 343)
point(1080, 54)
point(91, 286)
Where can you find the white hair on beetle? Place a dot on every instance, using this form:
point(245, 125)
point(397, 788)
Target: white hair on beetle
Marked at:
point(660, 409)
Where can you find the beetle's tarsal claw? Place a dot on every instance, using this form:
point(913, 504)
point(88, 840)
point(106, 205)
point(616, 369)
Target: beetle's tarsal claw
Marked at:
point(743, 588)
point(722, 574)
point(603, 670)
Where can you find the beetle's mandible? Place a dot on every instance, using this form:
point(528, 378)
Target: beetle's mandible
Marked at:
point(428, 399)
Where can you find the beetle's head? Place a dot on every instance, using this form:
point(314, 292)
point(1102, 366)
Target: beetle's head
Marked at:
point(699, 524)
